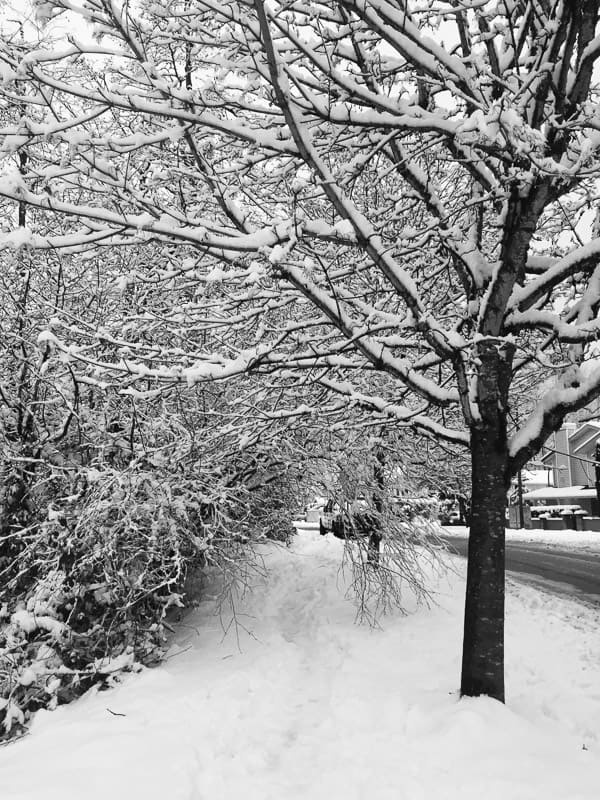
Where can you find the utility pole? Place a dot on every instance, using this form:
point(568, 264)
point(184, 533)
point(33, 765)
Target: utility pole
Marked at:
point(597, 469)
point(520, 499)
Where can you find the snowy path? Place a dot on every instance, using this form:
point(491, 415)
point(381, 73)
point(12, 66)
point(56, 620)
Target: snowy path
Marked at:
point(316, 707)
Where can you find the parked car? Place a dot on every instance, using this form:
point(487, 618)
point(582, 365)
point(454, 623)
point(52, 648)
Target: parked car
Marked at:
point(353, 522)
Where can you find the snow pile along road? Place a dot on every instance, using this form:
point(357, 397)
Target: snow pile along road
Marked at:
point(312, 706)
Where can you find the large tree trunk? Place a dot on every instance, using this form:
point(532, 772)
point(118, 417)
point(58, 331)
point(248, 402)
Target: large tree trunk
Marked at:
point(483, 645)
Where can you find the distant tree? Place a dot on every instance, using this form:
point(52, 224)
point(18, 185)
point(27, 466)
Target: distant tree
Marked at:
point(394, 203)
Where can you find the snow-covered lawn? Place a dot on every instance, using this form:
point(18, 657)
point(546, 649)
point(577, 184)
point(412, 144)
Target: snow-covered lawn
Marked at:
point(312, 706)
point(580, 541)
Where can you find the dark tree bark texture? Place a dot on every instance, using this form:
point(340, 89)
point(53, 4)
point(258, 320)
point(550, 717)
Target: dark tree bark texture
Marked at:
point(483, 644)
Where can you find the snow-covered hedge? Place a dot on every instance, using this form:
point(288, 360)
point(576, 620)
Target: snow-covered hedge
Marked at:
point(91, 566)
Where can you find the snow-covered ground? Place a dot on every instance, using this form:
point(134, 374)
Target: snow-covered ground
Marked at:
point(312, 706)
point(580, 541)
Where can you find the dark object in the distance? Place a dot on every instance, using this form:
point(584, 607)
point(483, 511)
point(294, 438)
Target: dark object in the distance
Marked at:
point(344, 525)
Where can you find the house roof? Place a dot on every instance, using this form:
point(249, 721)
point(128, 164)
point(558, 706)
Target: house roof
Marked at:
point(554, 492)
point(590, 439)
point(534, 477)
point(593, 434)
point(590, 431)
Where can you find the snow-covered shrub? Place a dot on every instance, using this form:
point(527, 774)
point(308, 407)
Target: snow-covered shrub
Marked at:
point(86, 588)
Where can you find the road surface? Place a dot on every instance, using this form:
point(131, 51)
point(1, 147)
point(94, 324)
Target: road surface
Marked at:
point(562, 571)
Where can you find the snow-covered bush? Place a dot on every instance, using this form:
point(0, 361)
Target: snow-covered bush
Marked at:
point(87, 585)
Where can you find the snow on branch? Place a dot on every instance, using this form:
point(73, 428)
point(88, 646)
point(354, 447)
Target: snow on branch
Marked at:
point(573, 390)
point(582, 259)
point(416, 419)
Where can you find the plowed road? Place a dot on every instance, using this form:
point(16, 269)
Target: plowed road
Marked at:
point(558, 570)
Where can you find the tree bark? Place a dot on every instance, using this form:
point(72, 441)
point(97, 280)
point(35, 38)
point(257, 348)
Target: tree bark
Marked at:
point(464, 507)
point(376, 531)
point(483, 644)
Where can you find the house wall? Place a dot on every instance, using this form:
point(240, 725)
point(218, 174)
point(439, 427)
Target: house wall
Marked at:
point(563, 477)
point(567, 470)
point(583, 474)
point(583, 448)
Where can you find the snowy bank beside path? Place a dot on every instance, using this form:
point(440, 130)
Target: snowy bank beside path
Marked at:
point(579, 541)
point(313, 706)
